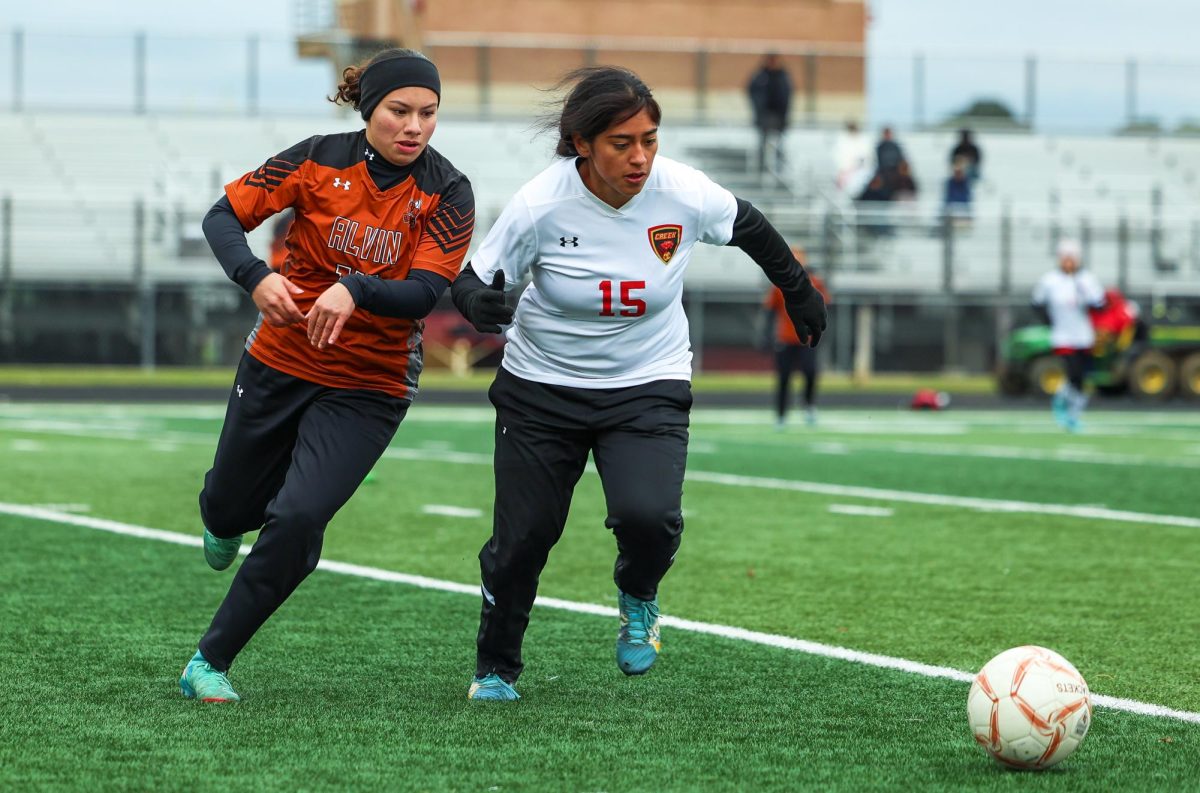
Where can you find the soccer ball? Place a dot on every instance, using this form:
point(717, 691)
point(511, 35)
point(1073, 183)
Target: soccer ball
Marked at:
point(1029, 707)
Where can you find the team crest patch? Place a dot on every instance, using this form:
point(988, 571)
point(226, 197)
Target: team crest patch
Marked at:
point(664, 240)
point(413, 212)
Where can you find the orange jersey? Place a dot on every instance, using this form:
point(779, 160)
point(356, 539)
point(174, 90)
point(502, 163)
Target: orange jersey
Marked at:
point(344, 224)
point(785, 331)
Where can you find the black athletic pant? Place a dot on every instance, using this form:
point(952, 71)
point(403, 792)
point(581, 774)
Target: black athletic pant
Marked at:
point(789, 358)
point(638, 437)
point(291, 454)
point(1078, 364)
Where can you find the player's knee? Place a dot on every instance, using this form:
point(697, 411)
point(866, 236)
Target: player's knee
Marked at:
point(304, 530)
point(513, 561)
point(646, 520)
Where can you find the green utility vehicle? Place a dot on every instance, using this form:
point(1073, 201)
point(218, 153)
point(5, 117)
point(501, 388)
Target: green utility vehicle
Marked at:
point(1153, 361)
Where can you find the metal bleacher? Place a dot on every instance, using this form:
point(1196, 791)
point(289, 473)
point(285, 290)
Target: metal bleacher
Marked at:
point(74, 190)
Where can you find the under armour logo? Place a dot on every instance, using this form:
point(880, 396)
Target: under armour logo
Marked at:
point(239, 392)
point(338, 182)
point(370, 155)
point(565, 241)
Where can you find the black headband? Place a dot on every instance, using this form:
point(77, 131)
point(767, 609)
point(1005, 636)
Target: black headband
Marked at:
point(381, 78)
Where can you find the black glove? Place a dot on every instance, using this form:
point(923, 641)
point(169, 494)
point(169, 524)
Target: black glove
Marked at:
point(806, 309)
point(485, 308)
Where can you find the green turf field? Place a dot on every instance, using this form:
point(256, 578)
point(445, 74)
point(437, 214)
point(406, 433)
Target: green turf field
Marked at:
point(920, 544)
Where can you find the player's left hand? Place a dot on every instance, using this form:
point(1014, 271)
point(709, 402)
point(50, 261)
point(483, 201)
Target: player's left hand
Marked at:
point(328, 315)
point(806, 310)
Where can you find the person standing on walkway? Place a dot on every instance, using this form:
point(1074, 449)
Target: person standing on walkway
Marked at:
point(790, 353)
point(1064, 297)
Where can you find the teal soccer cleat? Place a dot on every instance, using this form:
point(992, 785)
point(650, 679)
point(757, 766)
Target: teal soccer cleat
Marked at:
point(1059, 408)
point(220, 553)
point(200, 681)
point(492, 688)
point(638, 641)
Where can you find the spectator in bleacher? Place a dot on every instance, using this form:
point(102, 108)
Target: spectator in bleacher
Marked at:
point(888, 155)
point(790, 353)
point(968, 153)
point(872, 204)
point(904, 186)
point(770, 90)
point(956, 200)
point(1063, 297)
point(853, 160)
point(382, 223)
point(598, 358)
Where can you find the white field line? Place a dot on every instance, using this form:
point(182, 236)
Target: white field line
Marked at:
point(79, 429)
point(451, 511)
point(1019, 420)
point(1073, 455)
point(867, 493)
point(867, 512)
point(692, 626)
point(74, 507)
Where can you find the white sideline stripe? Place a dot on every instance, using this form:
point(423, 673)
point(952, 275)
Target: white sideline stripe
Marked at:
point(1072, 455)
point(451, 512)
point(707, 628)
point(854, 509)
point(73, 507)
point(849, 491)
point(1034, 419)
point(934, 499)
point(869, 493)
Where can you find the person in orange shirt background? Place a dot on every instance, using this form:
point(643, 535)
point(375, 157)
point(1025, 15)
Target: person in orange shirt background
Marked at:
point(790, 352)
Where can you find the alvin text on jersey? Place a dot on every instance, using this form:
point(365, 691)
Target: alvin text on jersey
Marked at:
point(345, 224)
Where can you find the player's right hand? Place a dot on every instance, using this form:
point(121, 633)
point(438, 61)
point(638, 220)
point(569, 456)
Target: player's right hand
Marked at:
point(273, 297)
point(487, 310)
point(806, 310)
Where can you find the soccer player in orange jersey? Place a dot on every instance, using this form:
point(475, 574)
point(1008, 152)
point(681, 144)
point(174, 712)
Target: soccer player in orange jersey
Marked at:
point(382, 223)
point(790, 353)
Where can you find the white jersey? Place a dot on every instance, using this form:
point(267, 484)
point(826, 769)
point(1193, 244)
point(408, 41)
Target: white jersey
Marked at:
point(605, 306)
point(1067, 299)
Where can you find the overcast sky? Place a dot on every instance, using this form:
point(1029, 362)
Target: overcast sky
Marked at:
point(1094, 27)
point(970, 49)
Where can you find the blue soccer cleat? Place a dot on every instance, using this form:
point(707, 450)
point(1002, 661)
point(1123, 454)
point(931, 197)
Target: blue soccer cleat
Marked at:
point(220, 553)
point(491, 687)
point(1060, 409)
point(638, 641)
point(200, 681)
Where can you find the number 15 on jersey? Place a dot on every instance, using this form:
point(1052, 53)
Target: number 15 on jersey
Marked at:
point(631, 306)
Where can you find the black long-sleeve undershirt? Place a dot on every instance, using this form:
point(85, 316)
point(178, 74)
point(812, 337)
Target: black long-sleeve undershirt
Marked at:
point(411, 298)
point(759, 240)
point(227, 239)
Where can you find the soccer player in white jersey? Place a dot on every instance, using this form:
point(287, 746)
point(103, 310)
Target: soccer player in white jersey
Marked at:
point(597, 356)
point(1065, 295)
